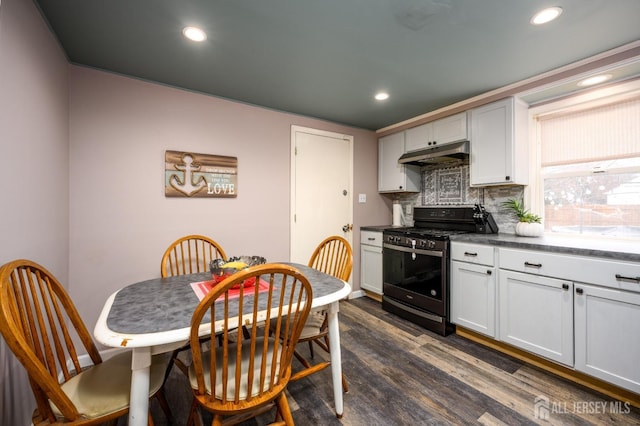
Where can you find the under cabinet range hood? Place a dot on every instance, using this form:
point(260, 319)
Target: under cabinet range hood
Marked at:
point(440, 154)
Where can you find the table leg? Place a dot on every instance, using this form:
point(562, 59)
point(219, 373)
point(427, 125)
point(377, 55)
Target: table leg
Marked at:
point(336, 358)
point(139, 397)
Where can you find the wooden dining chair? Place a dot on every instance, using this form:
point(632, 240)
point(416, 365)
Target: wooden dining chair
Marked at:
point(190, 255)
point(247, 373)
point(333, 256)
point(41, 326)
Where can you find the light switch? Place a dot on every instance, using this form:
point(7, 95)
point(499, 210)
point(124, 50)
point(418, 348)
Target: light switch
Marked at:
point(362, 198)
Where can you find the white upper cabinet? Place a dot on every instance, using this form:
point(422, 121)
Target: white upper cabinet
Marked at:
point(437, 133)
point(393, 176)
point(498, 139)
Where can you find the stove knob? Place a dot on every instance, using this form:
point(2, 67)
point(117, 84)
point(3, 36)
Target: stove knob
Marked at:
point(432, 244)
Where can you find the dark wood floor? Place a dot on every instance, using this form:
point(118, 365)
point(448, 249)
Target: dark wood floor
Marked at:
point(402, 374)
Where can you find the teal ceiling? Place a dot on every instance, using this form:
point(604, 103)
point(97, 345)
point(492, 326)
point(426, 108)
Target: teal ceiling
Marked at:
point(327, 58)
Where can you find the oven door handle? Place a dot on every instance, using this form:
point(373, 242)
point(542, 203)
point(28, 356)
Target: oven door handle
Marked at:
point(412, 250)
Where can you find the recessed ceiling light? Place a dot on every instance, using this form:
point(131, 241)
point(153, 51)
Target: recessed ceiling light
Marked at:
point(546, 15)
point(381, 96)
point(193, 33)
point(596, 79)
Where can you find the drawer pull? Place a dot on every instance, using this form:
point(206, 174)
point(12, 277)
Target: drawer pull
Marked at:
point(534, 265)
point(489, 272)
point(621, 277)
point(371, 238)
point(466, 253)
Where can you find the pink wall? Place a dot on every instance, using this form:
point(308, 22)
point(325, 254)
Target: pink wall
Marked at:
point(81, 177)
point(34, 151)
point(120, 220)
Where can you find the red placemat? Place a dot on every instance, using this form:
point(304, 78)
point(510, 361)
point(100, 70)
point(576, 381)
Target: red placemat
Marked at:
point(201, 288)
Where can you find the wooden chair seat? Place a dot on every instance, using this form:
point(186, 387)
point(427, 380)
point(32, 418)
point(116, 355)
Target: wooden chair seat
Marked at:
point(104, 389)
point(244, 371)
point(314, 326)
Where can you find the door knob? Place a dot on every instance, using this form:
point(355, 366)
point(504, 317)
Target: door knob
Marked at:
point(348, 227)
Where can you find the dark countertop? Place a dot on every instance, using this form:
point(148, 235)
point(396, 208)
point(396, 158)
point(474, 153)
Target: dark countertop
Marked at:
point(378, 228)
point(622, 250)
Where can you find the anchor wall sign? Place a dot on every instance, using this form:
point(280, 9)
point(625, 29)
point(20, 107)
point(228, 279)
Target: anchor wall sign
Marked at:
point(188, 174)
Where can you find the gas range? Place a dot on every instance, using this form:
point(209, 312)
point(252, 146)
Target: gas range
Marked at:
point(433, 226)
point(416, 263)
point(420, 238)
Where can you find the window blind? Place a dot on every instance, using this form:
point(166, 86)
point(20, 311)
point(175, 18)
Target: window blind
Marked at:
point(601, 133)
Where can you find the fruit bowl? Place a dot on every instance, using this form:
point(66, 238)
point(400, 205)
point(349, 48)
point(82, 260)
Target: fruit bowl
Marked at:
point(221, 270)
point(248, 260)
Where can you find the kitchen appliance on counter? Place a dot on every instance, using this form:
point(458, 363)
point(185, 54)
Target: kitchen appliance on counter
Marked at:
point(415, 263)
point(485, 223)
point(398, 214)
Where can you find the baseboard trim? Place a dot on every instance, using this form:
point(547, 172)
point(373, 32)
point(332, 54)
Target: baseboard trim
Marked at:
point(375, 296)
point(559, 370)
point(356, 294)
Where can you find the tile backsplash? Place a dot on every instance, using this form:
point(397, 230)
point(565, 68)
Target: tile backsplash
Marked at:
point(448, 185)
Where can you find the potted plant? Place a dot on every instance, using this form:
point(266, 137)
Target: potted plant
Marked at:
point(529, 224)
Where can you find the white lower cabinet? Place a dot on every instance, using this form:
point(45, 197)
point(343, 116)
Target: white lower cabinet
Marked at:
point(371, 261)
point(536, 314)
point(545, 307)
point(607, 334)
point(473, 297)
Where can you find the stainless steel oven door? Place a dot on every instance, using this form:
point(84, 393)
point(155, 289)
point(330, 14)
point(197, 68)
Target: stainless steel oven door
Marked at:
point(416, 277)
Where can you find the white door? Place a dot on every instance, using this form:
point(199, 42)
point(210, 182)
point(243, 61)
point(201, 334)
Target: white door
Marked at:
point(321, 193)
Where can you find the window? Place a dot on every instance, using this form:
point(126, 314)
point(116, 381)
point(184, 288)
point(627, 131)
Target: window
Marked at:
point(590, 169)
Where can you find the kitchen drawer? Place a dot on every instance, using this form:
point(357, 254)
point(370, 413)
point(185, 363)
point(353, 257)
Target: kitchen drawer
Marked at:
point(472, 253)
point(537, 262)
point(371, 238)
point(590, 270)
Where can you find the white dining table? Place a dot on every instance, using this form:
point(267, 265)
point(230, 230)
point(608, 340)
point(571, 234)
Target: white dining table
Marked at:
point(153, 317)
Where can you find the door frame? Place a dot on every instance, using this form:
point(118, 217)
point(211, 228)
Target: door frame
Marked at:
point(292, 201)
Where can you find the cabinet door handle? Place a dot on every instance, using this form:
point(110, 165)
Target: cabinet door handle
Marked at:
point(466, 253)
point(579, 290)
point(535, 265)
point(565, 286)
point(489, 272)
point(621, 277)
